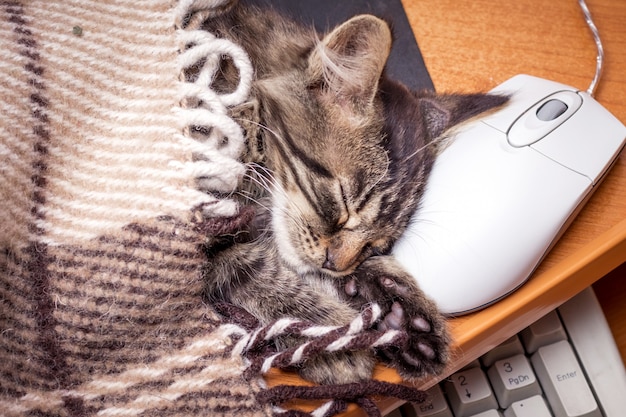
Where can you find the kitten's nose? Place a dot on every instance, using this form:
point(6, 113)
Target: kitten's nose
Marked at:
point(339, 258)
point(329, 263)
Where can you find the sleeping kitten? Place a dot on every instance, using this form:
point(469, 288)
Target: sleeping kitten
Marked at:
point(339, 156)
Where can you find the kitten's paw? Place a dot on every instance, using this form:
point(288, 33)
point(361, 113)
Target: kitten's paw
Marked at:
point(426, 351)
point(405, 308)
point(339, 368)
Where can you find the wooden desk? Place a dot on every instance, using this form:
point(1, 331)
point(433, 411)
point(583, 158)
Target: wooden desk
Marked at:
point(470, 46)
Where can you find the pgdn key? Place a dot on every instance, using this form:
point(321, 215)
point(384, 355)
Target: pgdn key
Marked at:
point(512, 380)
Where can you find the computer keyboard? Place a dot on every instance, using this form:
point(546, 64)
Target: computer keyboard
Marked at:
point(564, 365)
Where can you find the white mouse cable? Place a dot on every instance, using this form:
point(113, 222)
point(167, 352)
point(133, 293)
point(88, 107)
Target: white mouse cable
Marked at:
point(596, 36)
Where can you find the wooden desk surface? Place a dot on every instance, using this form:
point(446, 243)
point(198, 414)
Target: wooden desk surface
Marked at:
point(470, 46)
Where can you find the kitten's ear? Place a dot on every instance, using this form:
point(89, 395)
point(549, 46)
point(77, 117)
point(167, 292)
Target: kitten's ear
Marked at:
point(349, 61)
point(441, 112)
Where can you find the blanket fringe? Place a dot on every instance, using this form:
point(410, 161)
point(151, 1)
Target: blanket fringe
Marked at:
point(358, 335)
point(216, 139)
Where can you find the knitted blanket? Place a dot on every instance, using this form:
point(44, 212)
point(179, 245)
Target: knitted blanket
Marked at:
point(106, 204)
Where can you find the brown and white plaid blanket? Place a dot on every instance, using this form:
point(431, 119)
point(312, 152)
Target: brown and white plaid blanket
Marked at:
point(102, 221)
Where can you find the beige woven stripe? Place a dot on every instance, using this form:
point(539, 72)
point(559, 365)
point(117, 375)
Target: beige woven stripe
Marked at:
point(22, 130)
point(201, 368)
point(16, 149)
point(116, 155)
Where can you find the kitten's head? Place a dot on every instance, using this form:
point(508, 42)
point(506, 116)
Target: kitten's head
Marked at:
point(325, 147)
point(348, 150)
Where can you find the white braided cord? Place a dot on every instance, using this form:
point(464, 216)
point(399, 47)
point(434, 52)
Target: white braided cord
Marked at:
point(216, 165)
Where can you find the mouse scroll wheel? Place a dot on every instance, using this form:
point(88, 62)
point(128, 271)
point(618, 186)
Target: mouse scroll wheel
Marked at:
point(551, 109)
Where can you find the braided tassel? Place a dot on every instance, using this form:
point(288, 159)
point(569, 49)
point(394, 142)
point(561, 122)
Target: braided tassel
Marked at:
point(357, 335)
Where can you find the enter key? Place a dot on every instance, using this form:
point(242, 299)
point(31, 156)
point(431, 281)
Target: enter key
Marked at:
point(563, 381)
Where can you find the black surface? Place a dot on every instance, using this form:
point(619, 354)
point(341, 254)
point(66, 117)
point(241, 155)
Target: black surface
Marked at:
point(405, 62)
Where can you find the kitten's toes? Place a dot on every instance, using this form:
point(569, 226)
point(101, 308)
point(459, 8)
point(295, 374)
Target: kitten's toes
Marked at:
point(350, 287)
point(427, 347)
point(394, 320)
point(426, 351)
point(406, 308)
point(339, 368)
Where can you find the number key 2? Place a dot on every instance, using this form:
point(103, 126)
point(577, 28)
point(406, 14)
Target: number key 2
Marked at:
point(469, 392)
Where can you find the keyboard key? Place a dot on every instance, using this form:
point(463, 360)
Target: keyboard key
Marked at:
point(510, 347)
point(593, 342)
point(513, 379)
point(545, 331)
point(563, 381)
point(469, 393)
point(434, 406)
point(394, 413)
point(488, 413)
point(530, 407)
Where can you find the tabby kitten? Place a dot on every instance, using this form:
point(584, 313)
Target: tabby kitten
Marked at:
point(337, 168)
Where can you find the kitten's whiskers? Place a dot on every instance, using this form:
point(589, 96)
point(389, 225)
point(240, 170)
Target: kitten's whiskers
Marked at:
point(265, 180)
point(422, 149)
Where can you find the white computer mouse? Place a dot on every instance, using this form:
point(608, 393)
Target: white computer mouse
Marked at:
point(505, 189)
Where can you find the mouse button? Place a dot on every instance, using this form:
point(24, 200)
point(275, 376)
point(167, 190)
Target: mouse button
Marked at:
point(551, 110)
point(586, 143)
point(544, 117)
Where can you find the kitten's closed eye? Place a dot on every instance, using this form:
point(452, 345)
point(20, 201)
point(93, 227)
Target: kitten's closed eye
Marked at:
point(345, 213)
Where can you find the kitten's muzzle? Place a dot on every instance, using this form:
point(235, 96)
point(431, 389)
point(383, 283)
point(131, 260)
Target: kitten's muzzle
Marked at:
point(342, 258)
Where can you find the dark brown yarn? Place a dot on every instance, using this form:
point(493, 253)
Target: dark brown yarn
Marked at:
point(348, 392)
point(368, 406)
point(227, 225)
point(237, 315)
point(341, 395)
point(358, 393)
